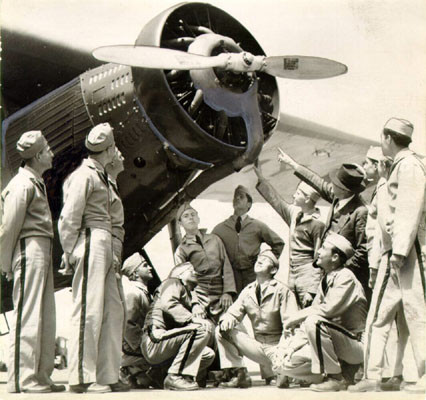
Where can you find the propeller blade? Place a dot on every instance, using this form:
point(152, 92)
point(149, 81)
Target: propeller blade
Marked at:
point(303, 67)
point(155, 57)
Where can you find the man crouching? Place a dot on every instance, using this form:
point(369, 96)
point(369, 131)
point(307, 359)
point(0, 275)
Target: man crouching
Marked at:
point(173, 334)
point(331, 334)
point(266, 302)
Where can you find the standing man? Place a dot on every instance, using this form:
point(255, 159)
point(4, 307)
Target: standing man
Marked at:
point(85, 234)
point(266, 302)
point(332, 327)
point(207, 254)
point(26, 257)
point(242, 237)
point(305, 233)
point(137, 273)
point(402, 282)
point(173, 332)
point(348, 213)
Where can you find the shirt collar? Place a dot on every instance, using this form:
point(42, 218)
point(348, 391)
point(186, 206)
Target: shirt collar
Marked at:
point(91, 162)
point(314, 215)
point(30, 172)
point(243, 217)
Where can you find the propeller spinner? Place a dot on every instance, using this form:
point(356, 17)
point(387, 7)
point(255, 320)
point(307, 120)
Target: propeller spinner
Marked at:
point(290, 67)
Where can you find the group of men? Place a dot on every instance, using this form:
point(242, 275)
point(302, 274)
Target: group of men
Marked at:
point(350, 279)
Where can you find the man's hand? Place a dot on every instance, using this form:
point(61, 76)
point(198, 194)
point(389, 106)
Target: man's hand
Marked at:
point(278, 358)
point(292, 321)
point(397, 261)
point(286, 159)
point(198, 311)
point(382, 167)
point(205, 323)
point(307, 299)
point(226, 323)
point(8, 275)
point(257, 169)
point(225, 301)
point(66, 265)
point(372, 278)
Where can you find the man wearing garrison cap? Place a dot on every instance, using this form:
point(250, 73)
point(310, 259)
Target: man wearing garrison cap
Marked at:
point(332, 327)
point(86, 238)
point(136, 275)
point(26, 249)
point(305, 232)
point(401, 279)
point(347, 215)
point(266, 302)
point(243, 236)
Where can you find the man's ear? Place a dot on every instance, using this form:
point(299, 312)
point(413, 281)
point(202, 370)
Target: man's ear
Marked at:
point(273, 270)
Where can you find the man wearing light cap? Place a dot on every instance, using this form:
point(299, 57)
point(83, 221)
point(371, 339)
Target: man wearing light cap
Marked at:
point(347, 215)
point(266, 302)
point(172, 333)
point(332, 327)
point(26, 249)
point(85, 235)
point(136, 275)
point(402, 278)
point(305, 233)
point(243, 236)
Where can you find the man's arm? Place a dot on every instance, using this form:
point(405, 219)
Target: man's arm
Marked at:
point(171, 302)
point(272, 239)
point(15, 204)
point(359, 260)
point(288, 307)
point(325, 189)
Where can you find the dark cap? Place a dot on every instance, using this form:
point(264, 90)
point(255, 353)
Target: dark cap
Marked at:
point(348, 177)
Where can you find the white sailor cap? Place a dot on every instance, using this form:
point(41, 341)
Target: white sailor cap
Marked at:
point(99, 138)
point(374, 153)
point(309, 191)
point(132, 263)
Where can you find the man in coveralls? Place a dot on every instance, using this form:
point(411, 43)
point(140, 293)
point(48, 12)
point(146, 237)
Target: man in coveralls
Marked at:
point(173, 334)
point(402, 279)
point(26, 249)
point(86, 238)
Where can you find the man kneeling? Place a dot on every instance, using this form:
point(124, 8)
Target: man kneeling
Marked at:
point(265, 301)
point(332, 326)
point(173, 334)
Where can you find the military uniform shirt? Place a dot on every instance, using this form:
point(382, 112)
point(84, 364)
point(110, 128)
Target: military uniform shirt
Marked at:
point(25, 212)
point(86, 203)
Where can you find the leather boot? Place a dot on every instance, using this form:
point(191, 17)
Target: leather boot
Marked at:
point(178, 382)
point(241, 380)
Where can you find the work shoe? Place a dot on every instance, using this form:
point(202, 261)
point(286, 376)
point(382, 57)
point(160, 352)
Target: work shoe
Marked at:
point(242, 380)
point(365, 385)
point(90, 388)
point(119, 387)
point(392, 385)
point(419, 387)
point(57, 388)
point(282, 381)
point(178, 382)
point(330, 385)
point(37, 388)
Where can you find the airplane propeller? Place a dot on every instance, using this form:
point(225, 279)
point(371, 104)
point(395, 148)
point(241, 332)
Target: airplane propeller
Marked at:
point(290, 67)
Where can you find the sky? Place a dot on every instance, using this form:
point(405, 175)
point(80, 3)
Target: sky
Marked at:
point(383, 43)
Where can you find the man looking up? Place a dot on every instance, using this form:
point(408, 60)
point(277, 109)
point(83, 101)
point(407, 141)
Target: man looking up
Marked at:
point(348, 213)
point(207, 254)
point(305, 232)
point(85, 235)
point(26, 250)
point(243, 236)
point(266, 302)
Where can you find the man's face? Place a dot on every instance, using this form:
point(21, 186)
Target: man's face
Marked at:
point(370, 168)
point(189, 219)
point(144, 271)
point(385, 143)
point(299, 198)
point(118, 160)
point(241, 203)
point(263, 266)
point(189, 277)
point(325, 257)
point(46, 157)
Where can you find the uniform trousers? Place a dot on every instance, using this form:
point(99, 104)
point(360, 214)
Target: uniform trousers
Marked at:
point(243, 277)
point(235, 344)
point(330, 342)
point(33, 324)
point(304, 279)
point(185, 346)
point(400, 293)
point(97, 315)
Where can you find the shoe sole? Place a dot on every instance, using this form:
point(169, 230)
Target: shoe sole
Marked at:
point(180, 390)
